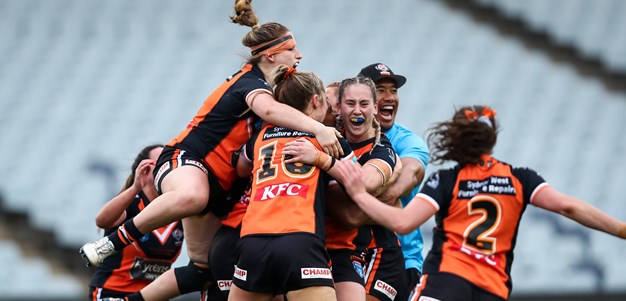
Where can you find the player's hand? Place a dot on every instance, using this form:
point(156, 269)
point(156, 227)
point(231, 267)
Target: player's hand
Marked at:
point(301, 150)
point(328, 140)
point(351, 176)
point(143, 174)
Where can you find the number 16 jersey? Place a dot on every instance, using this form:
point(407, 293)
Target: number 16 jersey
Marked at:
point(285, 198)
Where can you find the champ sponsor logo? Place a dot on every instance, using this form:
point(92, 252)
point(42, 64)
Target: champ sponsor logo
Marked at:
point(240, 274)
point(196, 164)
point(312, 273)
point(224, 285)
point(386, 289)
point(284, 189)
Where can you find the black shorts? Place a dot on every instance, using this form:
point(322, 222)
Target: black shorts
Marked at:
point(446, 286)
point(222, 261)
point(282, 263)
point(220, 201)
point(347, 266)
point(385, 277)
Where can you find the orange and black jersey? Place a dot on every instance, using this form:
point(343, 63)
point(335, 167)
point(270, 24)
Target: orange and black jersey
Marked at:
point(358, 239)
point(479, 211)
point(224, 123)
point(241, 193)
point(285, 198)
point(134, 267)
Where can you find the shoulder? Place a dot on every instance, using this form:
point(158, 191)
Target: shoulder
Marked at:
point(526, 173)
point(249, 79)
point(399, 134)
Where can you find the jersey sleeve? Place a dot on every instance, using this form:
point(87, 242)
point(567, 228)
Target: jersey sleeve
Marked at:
point(248, 149)
point(531, 182)
point(347, 150)
point(383, 151)
point(249, 85)
point(437, 189)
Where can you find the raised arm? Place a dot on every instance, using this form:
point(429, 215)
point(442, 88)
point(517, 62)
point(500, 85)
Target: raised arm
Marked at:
point(113, 213)
point(266, 107)
point(586, 214)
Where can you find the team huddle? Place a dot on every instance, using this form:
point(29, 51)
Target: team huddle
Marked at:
point(285, 189)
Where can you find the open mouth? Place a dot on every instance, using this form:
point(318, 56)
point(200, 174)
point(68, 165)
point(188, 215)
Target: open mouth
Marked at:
point(357, 120)
point(386, 111)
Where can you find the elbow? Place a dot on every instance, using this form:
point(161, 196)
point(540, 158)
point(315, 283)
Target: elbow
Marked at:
point(403, 229)
point(353, 222)
point(103, 223)
point(403, 224)
point(568, 210)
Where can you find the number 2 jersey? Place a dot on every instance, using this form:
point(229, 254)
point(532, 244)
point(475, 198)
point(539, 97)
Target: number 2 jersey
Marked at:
point(285, 198)
point(479, 211)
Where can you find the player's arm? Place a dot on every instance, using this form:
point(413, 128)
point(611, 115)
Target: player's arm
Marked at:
point(401, 220)
point(341, 207)
point(243, 157)
point(266, 107)
point(584, 213)
point(113, 213)
point(411, 175)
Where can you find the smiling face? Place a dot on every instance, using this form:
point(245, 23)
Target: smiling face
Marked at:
point(357, 110)
point(388, 102)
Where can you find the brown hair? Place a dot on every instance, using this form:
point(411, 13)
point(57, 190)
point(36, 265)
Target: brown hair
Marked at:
point(333, 85)
point(295, 88)
point(245, 16)
point(143, 154)
point(363, 81)
point(471, 133)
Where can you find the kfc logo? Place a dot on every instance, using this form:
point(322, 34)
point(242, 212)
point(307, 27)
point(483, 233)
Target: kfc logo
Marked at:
point(284, 189)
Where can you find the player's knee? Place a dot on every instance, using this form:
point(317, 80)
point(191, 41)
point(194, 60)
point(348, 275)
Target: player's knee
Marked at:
point(191, 201)
point(193, 277)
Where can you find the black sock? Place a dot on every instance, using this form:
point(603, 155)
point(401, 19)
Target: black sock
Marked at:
point(125, 235)
point(135, 297)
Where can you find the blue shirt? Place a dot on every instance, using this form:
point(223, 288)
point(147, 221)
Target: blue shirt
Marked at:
point(409, 145)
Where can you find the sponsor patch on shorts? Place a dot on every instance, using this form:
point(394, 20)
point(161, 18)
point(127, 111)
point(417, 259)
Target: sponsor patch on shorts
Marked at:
point(224, 285)
point(315, 273)
point(196, 164)
point(424, 298)
point(358, 268)
point(386, 289)
point(162, 169)
point(240, 274)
